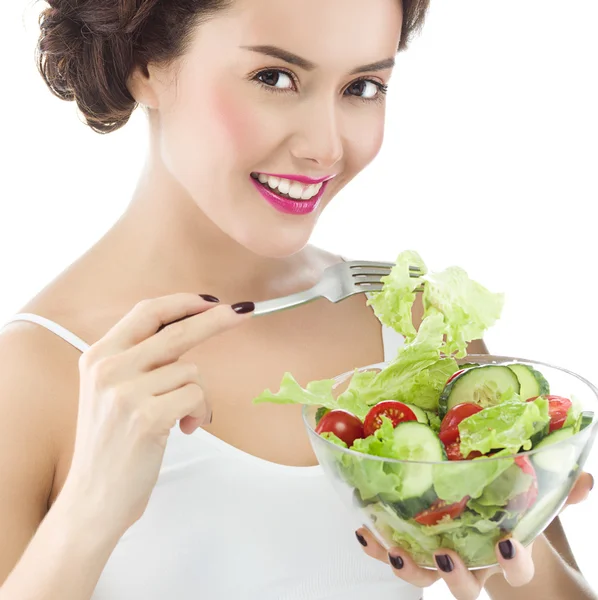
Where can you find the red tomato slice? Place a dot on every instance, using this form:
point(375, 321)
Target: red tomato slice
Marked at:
point(449, 428)
point(454, 376)
point(440, 509)
point(453, 452)
point(397, 412)
point(527, 499)
point(343, 424)
point(558, 407)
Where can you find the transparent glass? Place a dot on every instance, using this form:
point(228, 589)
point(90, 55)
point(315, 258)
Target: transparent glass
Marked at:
point(526, 518)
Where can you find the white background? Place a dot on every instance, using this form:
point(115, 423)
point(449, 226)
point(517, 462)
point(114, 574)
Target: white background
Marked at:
point(490, 162)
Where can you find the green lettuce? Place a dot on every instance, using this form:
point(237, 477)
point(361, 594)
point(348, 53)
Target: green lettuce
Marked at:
point(468, 307)
point(508, 425)
point(393, 305)
point(453, 481)
point(505, 487)
point(474, 547)
point(416, 376)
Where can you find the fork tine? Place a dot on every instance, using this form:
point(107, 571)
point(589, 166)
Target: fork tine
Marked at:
point(378, 265)
point(360, 271)
point(366, 279)
point(369, 287)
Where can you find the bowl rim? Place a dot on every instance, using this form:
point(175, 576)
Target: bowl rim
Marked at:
point(488, 359)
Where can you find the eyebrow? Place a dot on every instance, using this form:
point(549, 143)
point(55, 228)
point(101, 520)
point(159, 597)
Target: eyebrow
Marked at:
point(307, 65)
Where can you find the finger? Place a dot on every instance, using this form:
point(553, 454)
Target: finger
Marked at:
point(462, 582)
point(581, 489)
point(401, 564)
point(169, 345)
point(167, 378)
point(187, 401)
point(147, 316)
point(516, 562)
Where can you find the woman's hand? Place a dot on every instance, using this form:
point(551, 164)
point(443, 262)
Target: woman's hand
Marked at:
point(134, 387)
point(515, 561)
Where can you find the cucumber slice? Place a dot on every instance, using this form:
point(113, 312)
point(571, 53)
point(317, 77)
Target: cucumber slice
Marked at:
point(419, 413)
point(587, 417)
point(540, 515)
point(408, 508)
point(532, 382)
point(540, 435)
point(558, 460)
point(320, 413)
point(483, 386)
point(416, 441)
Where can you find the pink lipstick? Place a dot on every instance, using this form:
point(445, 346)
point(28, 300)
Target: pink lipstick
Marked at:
point(288, 205)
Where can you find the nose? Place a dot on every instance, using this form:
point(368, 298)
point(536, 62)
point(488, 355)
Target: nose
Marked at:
point(319, 139)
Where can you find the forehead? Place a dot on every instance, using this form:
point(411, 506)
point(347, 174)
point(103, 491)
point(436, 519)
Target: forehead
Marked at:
point(326, 32)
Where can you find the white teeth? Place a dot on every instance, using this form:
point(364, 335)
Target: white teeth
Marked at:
point(284, 186)
point(293, 189)
point(272, 181)
point(296, 191)
point(310, 191)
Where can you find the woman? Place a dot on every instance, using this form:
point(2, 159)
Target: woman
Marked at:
point(260, 112)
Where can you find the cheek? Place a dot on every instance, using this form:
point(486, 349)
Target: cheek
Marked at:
point(367, 142)
point(233, 129)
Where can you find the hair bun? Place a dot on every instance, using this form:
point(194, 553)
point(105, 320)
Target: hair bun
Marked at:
point(86, 52)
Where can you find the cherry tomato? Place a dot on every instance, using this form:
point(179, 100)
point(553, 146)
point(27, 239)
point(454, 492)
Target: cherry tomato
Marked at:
point(453, 452)
point(528, 498)
point(558, 407)
point(343, 424)
point(454, 376)
point(397, 412)
point(449, 428)
point(440, 509)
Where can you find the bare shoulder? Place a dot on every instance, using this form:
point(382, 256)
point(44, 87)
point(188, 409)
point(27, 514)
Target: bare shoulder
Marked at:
point(38, 393)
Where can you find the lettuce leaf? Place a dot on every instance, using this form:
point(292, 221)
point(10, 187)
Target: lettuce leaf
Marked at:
point(394, 303)
point(468, 308)
point(505, 487)
point(509, 424)
point(454, 481)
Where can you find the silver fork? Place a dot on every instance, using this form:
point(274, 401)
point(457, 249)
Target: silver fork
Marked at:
point(337, 283)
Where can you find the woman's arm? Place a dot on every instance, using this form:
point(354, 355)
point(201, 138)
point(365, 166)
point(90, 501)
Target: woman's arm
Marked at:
point(554, 579)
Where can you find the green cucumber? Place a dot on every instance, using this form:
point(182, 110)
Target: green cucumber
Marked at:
point(483, 386)
point(533, 383)
point(540, 435)
point(416, 442)
point(419, 413)
point(587, 417)
point(321, 412)
point(540, 515)
point(559, 460)
point(408, 508)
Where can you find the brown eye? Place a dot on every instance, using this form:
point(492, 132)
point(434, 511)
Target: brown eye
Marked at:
point(364, 88)
point(275, 78)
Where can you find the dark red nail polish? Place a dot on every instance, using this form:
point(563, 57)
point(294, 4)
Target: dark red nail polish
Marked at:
point(361, 539)
point(396, 561)
point(507, 549)
point(444, 563)
point(209, 298)
point(243, 307)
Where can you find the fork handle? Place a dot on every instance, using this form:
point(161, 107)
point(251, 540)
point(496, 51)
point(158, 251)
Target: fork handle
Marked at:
point(279, 304)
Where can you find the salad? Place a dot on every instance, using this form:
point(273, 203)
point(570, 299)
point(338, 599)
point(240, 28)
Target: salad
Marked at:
point(429, 408)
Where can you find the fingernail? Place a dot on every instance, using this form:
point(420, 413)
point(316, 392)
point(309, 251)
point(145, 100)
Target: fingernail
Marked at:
point(361, 539)
point(591, 484)
point(444, 563)
point(209, 298)
point(242, 308)
point(396, 561)
point(507, 549)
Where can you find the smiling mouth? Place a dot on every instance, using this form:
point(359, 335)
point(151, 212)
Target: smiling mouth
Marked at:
point(287, 189)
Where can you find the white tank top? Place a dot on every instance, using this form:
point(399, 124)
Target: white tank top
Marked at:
point(222, 524)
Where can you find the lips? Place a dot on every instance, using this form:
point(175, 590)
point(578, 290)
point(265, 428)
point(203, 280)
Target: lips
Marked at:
point(286, 204)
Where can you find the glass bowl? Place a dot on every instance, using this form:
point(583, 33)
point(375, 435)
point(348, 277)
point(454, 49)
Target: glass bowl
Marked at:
point(362, 482)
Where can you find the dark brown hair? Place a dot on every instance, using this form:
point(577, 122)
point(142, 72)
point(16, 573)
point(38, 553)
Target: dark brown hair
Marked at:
point(88, 48)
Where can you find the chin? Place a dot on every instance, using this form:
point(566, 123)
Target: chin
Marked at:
point(280, 244)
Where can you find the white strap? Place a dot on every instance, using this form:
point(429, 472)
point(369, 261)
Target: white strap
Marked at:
point(59, 330)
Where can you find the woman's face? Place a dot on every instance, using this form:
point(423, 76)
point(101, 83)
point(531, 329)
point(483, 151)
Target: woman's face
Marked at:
point(277, 87)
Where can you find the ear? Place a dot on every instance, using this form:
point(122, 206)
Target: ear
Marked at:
point(143, 86)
